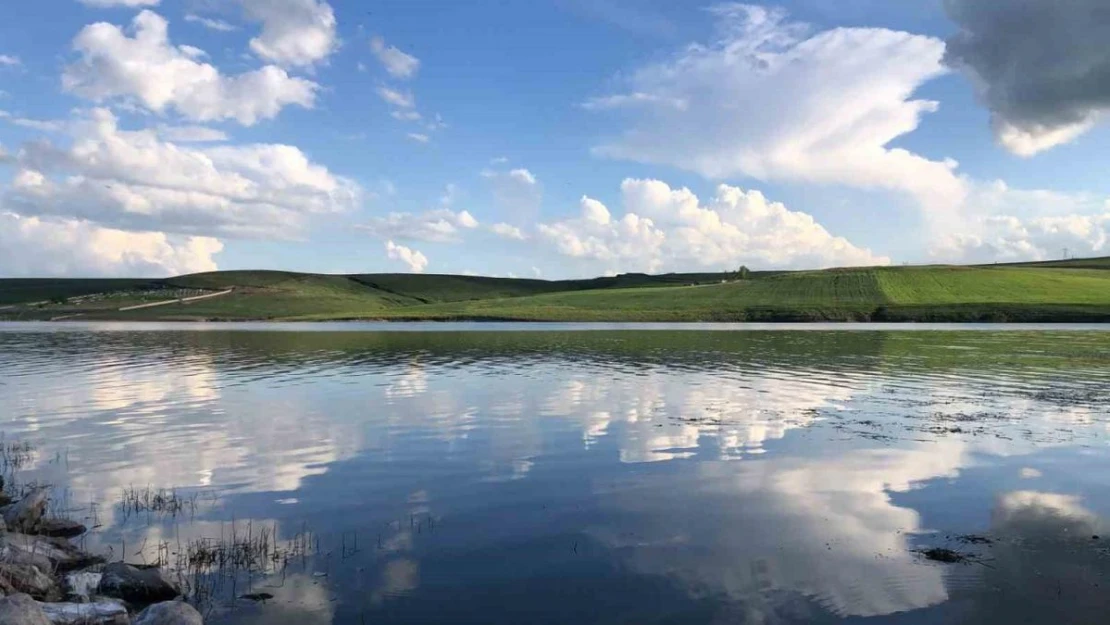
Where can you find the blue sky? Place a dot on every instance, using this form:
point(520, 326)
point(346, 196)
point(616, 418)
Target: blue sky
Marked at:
point(554, 139)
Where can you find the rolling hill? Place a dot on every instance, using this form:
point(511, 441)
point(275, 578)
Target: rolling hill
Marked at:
point(1074, 290)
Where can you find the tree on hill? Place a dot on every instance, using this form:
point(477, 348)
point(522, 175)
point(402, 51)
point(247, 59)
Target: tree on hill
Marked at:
point(743, 273)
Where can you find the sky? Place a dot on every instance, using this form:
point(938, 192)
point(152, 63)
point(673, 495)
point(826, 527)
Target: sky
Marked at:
point(548, 138)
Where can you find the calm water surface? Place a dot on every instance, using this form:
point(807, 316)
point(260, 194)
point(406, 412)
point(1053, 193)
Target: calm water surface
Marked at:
point(454, 474)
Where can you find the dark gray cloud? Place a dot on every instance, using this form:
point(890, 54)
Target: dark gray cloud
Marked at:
point(1042, 67)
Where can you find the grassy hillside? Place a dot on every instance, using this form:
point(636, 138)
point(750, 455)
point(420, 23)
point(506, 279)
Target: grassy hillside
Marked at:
point(1074, 263)
point(441, 288)
point(932, 293)
point(431, 288)
point(275, 295)
point(1031, 292)
point(282, 295)
point(803, 295)
point(22, 290)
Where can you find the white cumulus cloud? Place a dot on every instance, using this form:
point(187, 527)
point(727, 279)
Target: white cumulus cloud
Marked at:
point(602, 103)
point(210, 23)
point(418, 137)
point(436, 226)
point(294, 32)
point(771, 99)
point(507, 231)
point(397, 63)
point(1004, 238)
point(402, 99)
point(7, 60)
point(43, 125)
point(416, 261)
point(34, 246)
point(1004, 224)
point(191, 134)
point(665, 229)
point(135, 180)
point(405, 116)
point(147, 69)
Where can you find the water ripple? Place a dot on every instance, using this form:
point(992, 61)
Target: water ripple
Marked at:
point(755, 475)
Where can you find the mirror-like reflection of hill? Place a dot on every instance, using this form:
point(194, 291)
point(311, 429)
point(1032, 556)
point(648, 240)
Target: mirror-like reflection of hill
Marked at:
point(612, 476)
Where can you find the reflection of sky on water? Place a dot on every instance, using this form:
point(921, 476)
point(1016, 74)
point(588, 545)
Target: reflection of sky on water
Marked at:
point(764, 479)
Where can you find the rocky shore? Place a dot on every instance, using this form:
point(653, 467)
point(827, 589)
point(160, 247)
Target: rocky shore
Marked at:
point(47, 580)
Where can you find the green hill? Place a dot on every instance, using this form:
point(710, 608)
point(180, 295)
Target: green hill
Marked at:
point(23, 290)
point(1076, 291)
point(894, 294)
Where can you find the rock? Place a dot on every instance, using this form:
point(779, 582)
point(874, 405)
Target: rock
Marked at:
point(5, 499)
point(21, 610)
point(99, 613)
point(59, 553)
point(25, 514)
point(14, 555)
point(60, 528)
point(136, 585)
point(29, 579)
point(81, 585)
point(169, 613)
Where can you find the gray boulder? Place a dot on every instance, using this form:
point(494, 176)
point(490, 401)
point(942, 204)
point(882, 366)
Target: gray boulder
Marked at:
point(6, 588)
point(169, 613)
point(21, 610)
point(10, 554)
point(60, 528)
point(29, 579)
point(136, 585)
point(58, 553)
point(98, 613)
point(25, 514)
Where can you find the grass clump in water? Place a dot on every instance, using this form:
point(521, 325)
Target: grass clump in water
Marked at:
point(160, 501)
point(943, 554)
point(15, 455)
point(209, 568)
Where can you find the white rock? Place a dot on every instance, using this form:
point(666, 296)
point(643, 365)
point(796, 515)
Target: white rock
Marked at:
point(58, 552)
point(83, 584)
point(99, 613)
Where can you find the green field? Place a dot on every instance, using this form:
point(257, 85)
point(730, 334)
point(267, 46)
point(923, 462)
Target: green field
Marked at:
point(1075, 290)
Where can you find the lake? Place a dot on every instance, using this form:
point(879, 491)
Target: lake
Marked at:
point(508, 473)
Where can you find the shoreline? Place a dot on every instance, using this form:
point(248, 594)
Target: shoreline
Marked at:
point(677, 324)
point(999, 316)
point(1043, 293)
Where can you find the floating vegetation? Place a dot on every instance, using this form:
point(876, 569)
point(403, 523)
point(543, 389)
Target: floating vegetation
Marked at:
point(162, 501)
point(974, 539)
point(943, 554)
point(208, 568)
point(15, 455)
